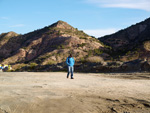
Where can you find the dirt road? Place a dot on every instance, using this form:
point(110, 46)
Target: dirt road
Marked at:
point(48, 92)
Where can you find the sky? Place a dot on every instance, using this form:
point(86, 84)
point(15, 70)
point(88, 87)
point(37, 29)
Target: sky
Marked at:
point(95, 17)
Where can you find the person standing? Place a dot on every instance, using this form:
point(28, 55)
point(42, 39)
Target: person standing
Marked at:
point(70, 62)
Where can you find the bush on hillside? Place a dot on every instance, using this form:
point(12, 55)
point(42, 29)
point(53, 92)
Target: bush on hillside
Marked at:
point(51, 62)
point(95, 59)
point(32, 65)
point(147, 45)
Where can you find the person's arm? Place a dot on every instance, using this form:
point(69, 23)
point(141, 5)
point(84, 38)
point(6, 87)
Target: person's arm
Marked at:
point(73, 61)
point(67, 61)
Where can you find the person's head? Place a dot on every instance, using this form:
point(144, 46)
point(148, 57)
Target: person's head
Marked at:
point(70, 55)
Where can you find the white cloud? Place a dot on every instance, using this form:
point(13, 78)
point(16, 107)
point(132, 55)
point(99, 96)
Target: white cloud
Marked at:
point(18, 25)
point(132, 4)
point(100, 32)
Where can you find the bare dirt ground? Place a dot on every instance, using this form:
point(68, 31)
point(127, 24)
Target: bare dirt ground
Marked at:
point(49, 92)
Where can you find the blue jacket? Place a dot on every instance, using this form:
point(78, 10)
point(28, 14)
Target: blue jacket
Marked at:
point(70, 61)
point(1, 67)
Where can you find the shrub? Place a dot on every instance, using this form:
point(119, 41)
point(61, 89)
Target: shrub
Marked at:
point(82, 60)
point(42, 58)
point(128, 52)
point(81, 45)
point(90, 53)
point(51, 62)
point(61, 47)
point(24, 47)
point(95, 59)
point(98, 51)
point(82, 37)
point(147, 45)
point(32, 65)
point(18, 66)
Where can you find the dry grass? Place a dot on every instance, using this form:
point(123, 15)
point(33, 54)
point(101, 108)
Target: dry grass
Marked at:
point(18, 66)
point(51, 62)
point(147, 45)
point(95, 59)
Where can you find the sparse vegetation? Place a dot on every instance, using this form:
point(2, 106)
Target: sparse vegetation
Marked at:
point(58, 40)
point(83, 37)
point(68, 30)
point(95, 52)
point(61, 46)
point(51, 62)
point(98, 51)
point(81, 45)
point(128, 52)
point(95, 59)
point(24, 47)
point(147, 45)
point(19, 66)
point(82, 60)
point(32, 65)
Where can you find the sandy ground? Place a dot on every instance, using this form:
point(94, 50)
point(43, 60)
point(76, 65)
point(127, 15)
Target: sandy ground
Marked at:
point(24, 92)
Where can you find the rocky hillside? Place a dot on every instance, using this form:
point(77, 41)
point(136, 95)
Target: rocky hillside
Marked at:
point(130, 41)
point(46, 49)
point(4, 37)
point(48, 46)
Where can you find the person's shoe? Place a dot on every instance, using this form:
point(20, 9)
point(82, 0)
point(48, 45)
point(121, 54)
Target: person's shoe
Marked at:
point(67, 76)
point(72, 78)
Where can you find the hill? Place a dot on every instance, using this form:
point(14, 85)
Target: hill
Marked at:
point(48, 46)
point(4, 37)
point(46, 49)
point(130, 42)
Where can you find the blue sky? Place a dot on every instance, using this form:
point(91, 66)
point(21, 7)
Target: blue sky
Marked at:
point(95, 17)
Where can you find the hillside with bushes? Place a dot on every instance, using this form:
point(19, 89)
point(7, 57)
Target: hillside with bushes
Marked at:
point(130, 43)
point(49, 46)
point(46, 49)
